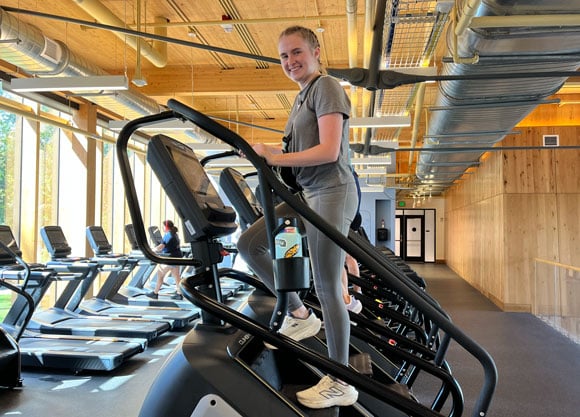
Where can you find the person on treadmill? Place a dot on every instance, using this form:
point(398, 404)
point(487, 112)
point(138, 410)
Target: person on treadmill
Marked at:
point(169, 246)
point(316, 147)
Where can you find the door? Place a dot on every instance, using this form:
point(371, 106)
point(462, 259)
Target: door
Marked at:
point(398, 235)
point(413, 239)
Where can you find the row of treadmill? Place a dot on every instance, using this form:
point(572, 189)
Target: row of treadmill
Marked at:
point(84, 332)
point(399, 342)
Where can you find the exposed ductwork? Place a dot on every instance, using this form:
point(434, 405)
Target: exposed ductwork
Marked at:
point(156, 54)
point(480, 113)
point(27, 48)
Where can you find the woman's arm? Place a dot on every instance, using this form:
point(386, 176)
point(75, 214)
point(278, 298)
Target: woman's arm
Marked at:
point(330, 131)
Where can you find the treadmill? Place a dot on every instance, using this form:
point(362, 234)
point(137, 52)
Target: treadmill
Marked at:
point(194, 383)
point(228, 286)
point(60, 320)
point(135, 293)
point(102, 304)
point(144, 267)
point(157, 238)
point(75, 354)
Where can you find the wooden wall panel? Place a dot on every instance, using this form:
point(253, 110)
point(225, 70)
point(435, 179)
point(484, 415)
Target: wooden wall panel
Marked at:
point(568, 162)
point(528, 171)
point(517, 206)
point(474, 245)
point(530, 222)
point(569, 229)
point(491, 244)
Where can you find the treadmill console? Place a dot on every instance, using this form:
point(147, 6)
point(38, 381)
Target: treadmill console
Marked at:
point(7, 237)
point(98, 240)
point(130, 233)
point(55, 242)
point(186, 183)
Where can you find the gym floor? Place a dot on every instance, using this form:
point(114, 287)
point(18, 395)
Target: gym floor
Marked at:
point(538, 367)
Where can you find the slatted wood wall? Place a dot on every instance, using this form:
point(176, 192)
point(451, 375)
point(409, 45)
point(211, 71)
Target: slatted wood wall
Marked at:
point(519, 205)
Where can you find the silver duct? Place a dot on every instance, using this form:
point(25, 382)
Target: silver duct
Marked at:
point(478, 113)
point(38, 55)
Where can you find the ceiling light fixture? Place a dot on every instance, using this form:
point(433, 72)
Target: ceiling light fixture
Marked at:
point(370, 171)
point(372, 160)
point(170, 125)
point(77, 84)
point(383, 121)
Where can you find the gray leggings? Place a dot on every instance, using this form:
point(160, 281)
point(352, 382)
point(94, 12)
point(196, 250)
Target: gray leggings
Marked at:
point(338, 207)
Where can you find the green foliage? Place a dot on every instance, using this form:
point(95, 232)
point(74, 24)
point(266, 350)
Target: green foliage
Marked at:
point(5, 303)
point(7, 124)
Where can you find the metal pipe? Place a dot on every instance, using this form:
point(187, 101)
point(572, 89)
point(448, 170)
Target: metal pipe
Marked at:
point(416, 119)
point(467, 14)
point(543, 21)
point(103, 15)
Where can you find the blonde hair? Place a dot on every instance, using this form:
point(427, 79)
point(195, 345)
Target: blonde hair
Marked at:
point(307, 34)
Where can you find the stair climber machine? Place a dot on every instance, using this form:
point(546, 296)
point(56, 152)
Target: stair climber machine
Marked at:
point(380, 305)
point(223, 368)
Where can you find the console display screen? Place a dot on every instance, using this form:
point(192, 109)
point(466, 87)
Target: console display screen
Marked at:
point(188, 186)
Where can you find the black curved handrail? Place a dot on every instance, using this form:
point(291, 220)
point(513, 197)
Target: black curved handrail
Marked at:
point(131, 193)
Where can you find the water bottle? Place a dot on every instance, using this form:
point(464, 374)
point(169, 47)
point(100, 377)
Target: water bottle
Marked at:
point(288, 240)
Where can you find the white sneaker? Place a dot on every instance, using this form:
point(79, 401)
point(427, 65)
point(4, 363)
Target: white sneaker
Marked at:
point(355, 305)
point(299, 329)
point(328, 392)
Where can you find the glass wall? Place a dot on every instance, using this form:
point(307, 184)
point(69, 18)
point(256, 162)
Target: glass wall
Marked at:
point(53, 174)
point(10, 163)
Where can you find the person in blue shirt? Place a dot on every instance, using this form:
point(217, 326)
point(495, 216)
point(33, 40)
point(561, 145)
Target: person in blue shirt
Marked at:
point(169, 246)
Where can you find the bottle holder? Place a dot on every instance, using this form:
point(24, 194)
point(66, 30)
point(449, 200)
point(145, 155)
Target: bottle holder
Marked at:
point(292, 274)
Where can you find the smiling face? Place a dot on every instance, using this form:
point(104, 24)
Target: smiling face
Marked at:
point(300, 60)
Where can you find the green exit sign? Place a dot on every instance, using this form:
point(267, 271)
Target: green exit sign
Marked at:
point(402, 204)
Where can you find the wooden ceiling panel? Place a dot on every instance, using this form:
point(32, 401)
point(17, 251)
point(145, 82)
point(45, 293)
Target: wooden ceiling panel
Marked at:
point(245, 89)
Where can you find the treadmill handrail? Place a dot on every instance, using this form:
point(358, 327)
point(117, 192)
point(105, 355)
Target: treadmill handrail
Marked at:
point(20, 290)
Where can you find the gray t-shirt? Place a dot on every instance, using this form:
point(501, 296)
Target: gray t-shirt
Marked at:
point(324, 97)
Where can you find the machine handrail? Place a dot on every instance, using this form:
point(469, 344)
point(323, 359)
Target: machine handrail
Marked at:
point(395, 278)
point(242, 322)
point(20, 290)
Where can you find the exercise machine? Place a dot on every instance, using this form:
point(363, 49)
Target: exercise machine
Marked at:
point(80, 272)
point(103, 304)
point(205, 373)
point(67, 352)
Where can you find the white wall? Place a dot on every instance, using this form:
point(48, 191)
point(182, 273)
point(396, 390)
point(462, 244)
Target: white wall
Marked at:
point(437, 203)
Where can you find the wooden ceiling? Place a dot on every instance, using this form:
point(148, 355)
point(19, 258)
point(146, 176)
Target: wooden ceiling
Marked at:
point(220, 84)
point(231, 87)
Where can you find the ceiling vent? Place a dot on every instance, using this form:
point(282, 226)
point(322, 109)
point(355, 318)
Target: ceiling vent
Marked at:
point(52, 51)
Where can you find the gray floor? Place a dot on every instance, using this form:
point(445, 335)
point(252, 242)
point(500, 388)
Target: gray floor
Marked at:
point(539, 369)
